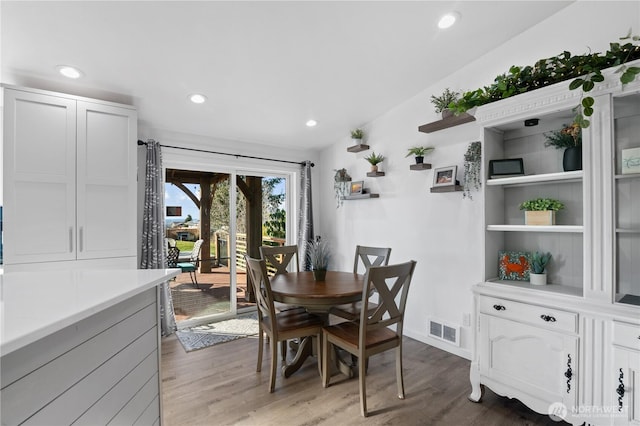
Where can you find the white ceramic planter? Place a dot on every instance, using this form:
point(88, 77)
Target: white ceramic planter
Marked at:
point(537, 279)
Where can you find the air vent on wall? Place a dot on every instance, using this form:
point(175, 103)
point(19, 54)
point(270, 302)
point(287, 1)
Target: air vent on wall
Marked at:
point(445, 332)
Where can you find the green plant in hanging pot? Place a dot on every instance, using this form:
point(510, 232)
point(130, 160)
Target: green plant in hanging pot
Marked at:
point(374, 159)
point(319, 256)
point(419, 152)
point(472, 165)
point(341, 185)
point(568, 138)
point(538, 274)
point(441, 103)
point(541, 211)
point(357, 135)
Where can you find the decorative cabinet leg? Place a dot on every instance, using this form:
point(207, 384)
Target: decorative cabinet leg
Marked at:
point(477, 389)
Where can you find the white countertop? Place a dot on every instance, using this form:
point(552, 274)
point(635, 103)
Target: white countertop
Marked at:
point(36, 304)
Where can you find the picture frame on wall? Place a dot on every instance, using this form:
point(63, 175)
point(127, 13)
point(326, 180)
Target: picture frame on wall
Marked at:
point(356, 187)
point(445, 176)
point(630, 161)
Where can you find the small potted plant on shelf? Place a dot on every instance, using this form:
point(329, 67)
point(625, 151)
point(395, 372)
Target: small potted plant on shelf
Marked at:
point(319, 255)
point(419, 152)
point(374, 159)
point(356, 136)
point(538, 274)
point(442, 102)
point(541, 211)
point(568, 138)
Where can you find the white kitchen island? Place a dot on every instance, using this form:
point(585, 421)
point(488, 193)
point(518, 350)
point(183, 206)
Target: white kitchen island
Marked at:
point(81, 347)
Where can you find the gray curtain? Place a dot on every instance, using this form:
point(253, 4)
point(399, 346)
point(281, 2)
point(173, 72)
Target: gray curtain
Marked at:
point(153, 242)
point(305, 218)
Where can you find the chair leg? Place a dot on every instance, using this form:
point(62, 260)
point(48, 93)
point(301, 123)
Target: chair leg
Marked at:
point(274, 362)
point(283, 348)
point(363, 388)
point(194, 279)
point(326, 359)
point(260, 345)
point(399, 378)
point(320, 354)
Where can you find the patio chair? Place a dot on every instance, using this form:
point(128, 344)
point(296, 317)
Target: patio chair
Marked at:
point(194, 262)
point(372, 335)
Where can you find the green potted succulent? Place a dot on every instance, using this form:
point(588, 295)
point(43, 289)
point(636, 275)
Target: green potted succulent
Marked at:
point(568, 138)
point(357, 135)
point(442, 102)
point(374, 159)
point(539, 261)
point(419, 152)
point(319, 255)
point(541, 211)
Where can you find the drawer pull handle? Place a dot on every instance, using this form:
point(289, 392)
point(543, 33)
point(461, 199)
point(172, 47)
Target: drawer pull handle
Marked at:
point(620, 390)
point(548, 318)
point(569, 373)
point(499, 307)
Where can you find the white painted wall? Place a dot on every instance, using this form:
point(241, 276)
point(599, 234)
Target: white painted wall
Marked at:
point(443, 231)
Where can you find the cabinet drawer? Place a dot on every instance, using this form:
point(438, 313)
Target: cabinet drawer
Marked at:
point(627, 335)
point(550, 318)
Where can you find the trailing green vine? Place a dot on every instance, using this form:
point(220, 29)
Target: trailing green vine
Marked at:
point(586, 70)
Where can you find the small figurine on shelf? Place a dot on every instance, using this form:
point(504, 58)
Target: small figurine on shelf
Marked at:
point(374, 159)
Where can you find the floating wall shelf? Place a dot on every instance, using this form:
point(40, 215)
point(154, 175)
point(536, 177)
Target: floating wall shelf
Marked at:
point(375, 174)
point(452, 188)
point(358, 148)
point(360, 196)
point(420, 166)
point(445, 123)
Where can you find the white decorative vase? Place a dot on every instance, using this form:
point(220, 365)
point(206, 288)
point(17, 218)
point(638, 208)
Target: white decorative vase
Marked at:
point(537, 279)
point(356, 141)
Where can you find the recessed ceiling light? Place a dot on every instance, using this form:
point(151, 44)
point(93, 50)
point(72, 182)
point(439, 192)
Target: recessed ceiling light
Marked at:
point(197, 98)
point(311, 123)
point(448, 20)
point(69, 71)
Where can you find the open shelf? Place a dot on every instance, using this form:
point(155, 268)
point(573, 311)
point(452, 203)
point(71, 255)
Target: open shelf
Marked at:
point(452, 188)
point(550, 288)
point(375, 174)
point(574, 176)
point(358, 148)
point(420, 166)
point(360, 196)
point(445, 123)
point(535, 228)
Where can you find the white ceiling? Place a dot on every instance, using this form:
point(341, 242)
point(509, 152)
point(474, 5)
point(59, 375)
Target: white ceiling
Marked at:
point(266, 67)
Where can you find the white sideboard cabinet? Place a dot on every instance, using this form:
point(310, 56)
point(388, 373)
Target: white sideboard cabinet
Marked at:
point(69, 178)
point(570, 348)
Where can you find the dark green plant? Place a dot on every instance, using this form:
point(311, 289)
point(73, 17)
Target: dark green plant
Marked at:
point(586, 70)
point(357, 134)
point(539, 262)
point(341, 185)
point(567, 137)
point(540, 204)
point(374, 159)
point(471, 177)
point(419, 151)
point(442, 102)
point(319, 254)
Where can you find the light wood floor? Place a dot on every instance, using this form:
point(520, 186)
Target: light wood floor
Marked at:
point(219, 386)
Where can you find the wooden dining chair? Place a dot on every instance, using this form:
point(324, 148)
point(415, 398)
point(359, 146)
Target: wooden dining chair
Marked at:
point(368, 256)
point(278, 326)
point(280, 257)
point(372, 335)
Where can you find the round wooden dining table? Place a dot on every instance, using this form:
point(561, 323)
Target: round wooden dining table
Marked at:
point(301, 289)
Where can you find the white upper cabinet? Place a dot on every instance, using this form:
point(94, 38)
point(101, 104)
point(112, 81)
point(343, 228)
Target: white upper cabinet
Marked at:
point(69, 178)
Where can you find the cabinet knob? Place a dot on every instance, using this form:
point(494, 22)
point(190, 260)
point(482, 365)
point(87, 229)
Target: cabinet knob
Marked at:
point(499, 307)
point(548, 318)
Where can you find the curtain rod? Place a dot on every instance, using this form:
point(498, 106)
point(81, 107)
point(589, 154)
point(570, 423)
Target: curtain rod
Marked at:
point(226, 153)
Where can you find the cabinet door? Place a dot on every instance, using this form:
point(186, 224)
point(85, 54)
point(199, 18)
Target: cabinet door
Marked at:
point(106, 181)
point(539, 365)
point(39, 177)
point(626, 386)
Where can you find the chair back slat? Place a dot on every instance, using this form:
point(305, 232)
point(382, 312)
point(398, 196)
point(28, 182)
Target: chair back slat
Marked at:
point(195, 253)
point(280, 257)
point(371, 256)
point(391, 282)
point(257, 269)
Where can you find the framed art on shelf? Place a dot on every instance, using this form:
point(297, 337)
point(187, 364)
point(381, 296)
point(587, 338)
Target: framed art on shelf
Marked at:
point(445, 176)
point(356, 187)
point(514, 265)
point(631, 160)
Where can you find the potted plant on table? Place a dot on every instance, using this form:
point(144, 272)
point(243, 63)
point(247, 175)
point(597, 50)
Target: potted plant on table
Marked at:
point(568, 138)
point(357, 135)
point(541, 211)
point(442, 102)
point(374, 159)
point(319, 256)
point(538, 274)
point(419, 152)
